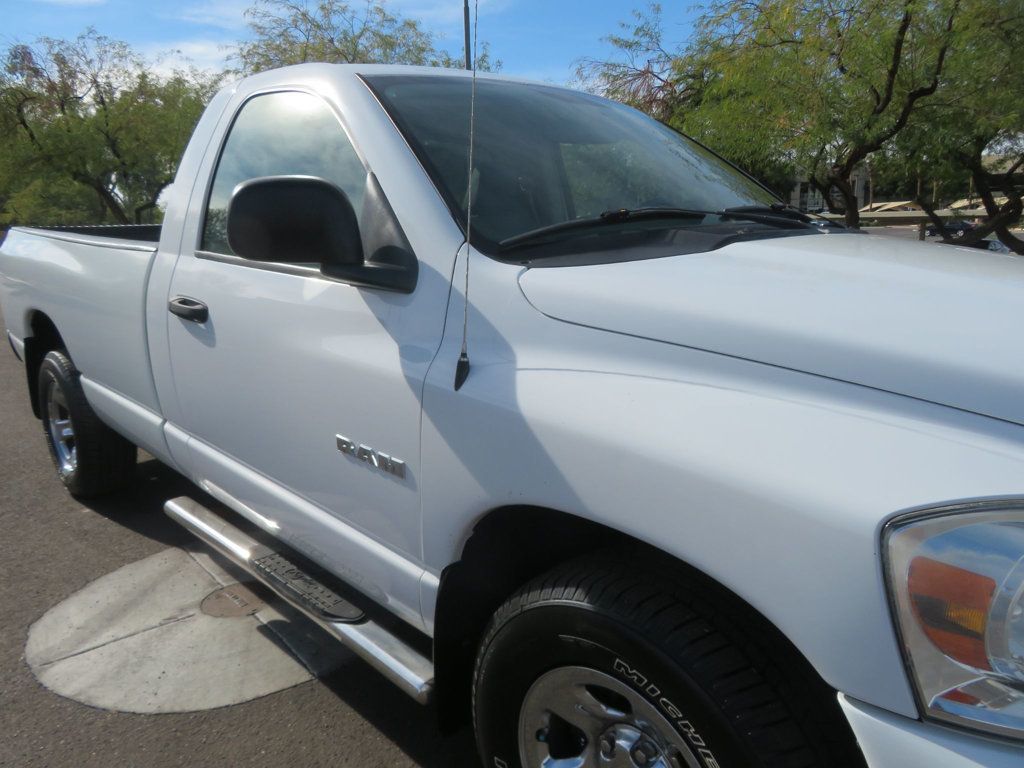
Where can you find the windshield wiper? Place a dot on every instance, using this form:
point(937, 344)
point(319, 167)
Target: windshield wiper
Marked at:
point(781, 209)
point(784, 217)
point(608, 217)
point(776, 214)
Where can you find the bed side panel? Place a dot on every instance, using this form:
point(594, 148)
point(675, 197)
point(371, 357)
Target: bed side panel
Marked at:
point(94, 293)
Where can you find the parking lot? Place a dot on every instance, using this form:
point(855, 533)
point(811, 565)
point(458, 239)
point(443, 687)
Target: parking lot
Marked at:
point(55, 546)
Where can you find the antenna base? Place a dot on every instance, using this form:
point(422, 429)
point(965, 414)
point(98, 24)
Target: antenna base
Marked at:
point(461, 371)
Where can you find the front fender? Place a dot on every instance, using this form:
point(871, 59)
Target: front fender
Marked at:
point(774, 483)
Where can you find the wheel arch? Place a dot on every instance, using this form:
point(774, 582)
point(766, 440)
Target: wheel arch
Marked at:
point(509, 546)
point(43, 337)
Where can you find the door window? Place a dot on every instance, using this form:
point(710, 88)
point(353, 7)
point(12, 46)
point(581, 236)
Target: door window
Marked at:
point(281, 134)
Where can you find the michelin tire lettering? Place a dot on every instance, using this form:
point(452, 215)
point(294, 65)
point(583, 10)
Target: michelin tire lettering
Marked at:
point(674, 714)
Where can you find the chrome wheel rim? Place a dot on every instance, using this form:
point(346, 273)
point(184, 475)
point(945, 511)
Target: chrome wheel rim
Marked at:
point(576, 717)
point(62, 431)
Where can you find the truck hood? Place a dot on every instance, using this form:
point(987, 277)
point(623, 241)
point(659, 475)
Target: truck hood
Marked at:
point(938, 323)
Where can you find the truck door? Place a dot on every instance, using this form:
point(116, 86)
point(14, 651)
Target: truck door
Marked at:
point(301, 393)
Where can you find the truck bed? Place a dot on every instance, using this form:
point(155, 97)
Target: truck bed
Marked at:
point(90, 282)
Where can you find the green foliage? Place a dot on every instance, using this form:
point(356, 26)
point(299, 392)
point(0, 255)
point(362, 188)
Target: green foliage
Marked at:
point(47, 199)
point(782, 87)
point(90, 134)
point(822, 84)
point(645, 74)
point(675, 86)
point(485, 62)
point(31, 192)
point(288, 32)
point(976, 131)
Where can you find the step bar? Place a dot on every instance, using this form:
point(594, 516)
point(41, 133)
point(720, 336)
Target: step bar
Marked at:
point(404, 666)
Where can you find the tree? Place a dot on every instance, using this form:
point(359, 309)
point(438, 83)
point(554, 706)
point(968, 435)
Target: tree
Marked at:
point(977, 130)
point(667, 83)
point(647, 75)
point(90, 134)
point(484, 61)
point(288, 32)
point(33, 193)
point(817, 86)
point(84, 119)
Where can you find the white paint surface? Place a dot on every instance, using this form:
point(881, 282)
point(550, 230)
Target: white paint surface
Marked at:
point(135, 640)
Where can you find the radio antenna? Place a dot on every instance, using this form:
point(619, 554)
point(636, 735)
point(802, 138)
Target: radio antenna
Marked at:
point(465, 25)
point(462, 367)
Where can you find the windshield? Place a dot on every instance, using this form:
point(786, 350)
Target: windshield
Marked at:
point(545, 155)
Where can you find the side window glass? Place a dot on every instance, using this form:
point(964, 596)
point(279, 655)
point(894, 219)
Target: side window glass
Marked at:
point(281, 134)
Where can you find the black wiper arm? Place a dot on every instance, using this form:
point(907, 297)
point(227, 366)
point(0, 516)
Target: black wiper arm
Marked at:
point(551, 229)
point(632, 214)
point(780, 210)
point(776, 214)
point(773, 209)
point(608, 217)
point(781, 216)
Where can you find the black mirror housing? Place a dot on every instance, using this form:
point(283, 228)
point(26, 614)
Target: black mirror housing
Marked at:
point(294, 220)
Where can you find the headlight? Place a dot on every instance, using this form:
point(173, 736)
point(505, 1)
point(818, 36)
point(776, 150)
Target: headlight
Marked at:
point(957, 582)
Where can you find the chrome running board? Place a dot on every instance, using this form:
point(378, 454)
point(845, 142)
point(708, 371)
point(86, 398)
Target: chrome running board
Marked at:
point(403, 665)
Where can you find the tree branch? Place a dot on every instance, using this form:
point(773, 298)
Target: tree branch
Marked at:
point(897, 59)
point(867, 147)
point(1000, 217)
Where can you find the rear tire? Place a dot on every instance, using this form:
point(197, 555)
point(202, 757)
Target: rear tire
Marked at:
point(612, 654)
point(91, 459)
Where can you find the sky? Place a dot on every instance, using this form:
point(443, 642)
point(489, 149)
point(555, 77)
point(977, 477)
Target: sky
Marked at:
point(538, 39)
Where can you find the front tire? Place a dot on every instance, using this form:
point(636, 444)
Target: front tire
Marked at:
point(91, 459)
point(610, 662)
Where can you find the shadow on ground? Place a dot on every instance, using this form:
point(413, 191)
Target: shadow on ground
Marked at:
point(139, 508)
point(410, 726)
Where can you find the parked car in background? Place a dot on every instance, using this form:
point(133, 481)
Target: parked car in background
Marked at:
point(955, 228)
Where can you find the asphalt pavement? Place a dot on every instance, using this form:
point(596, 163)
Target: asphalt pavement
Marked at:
point(54, 546)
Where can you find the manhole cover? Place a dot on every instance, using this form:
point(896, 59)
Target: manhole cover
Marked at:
point(231, 601)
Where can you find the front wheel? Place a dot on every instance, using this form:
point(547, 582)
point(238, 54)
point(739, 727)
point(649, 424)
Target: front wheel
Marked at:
point(91, 459)
point(606, 663)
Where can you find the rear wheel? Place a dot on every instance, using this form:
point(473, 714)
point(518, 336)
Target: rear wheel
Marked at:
point(91, 459)
point(606, 662)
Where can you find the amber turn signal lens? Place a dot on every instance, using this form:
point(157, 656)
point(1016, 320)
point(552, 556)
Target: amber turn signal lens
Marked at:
point(957, 581)
point(952, 606)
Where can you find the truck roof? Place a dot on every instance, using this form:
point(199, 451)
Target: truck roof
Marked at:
point(312, 70)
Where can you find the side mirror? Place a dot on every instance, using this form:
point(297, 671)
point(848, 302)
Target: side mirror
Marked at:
point(294, 219)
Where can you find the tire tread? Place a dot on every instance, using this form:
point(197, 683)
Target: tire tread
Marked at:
point(106, 460)
point(777, 703)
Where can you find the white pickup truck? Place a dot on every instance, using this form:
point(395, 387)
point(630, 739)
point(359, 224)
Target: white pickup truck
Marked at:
point(588, 439)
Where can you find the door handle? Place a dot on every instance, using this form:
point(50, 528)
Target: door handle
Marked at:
point(189, 309)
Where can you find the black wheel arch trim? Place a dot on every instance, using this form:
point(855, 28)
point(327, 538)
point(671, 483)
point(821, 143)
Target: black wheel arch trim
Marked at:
point(43, 338)
point(508, 547)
